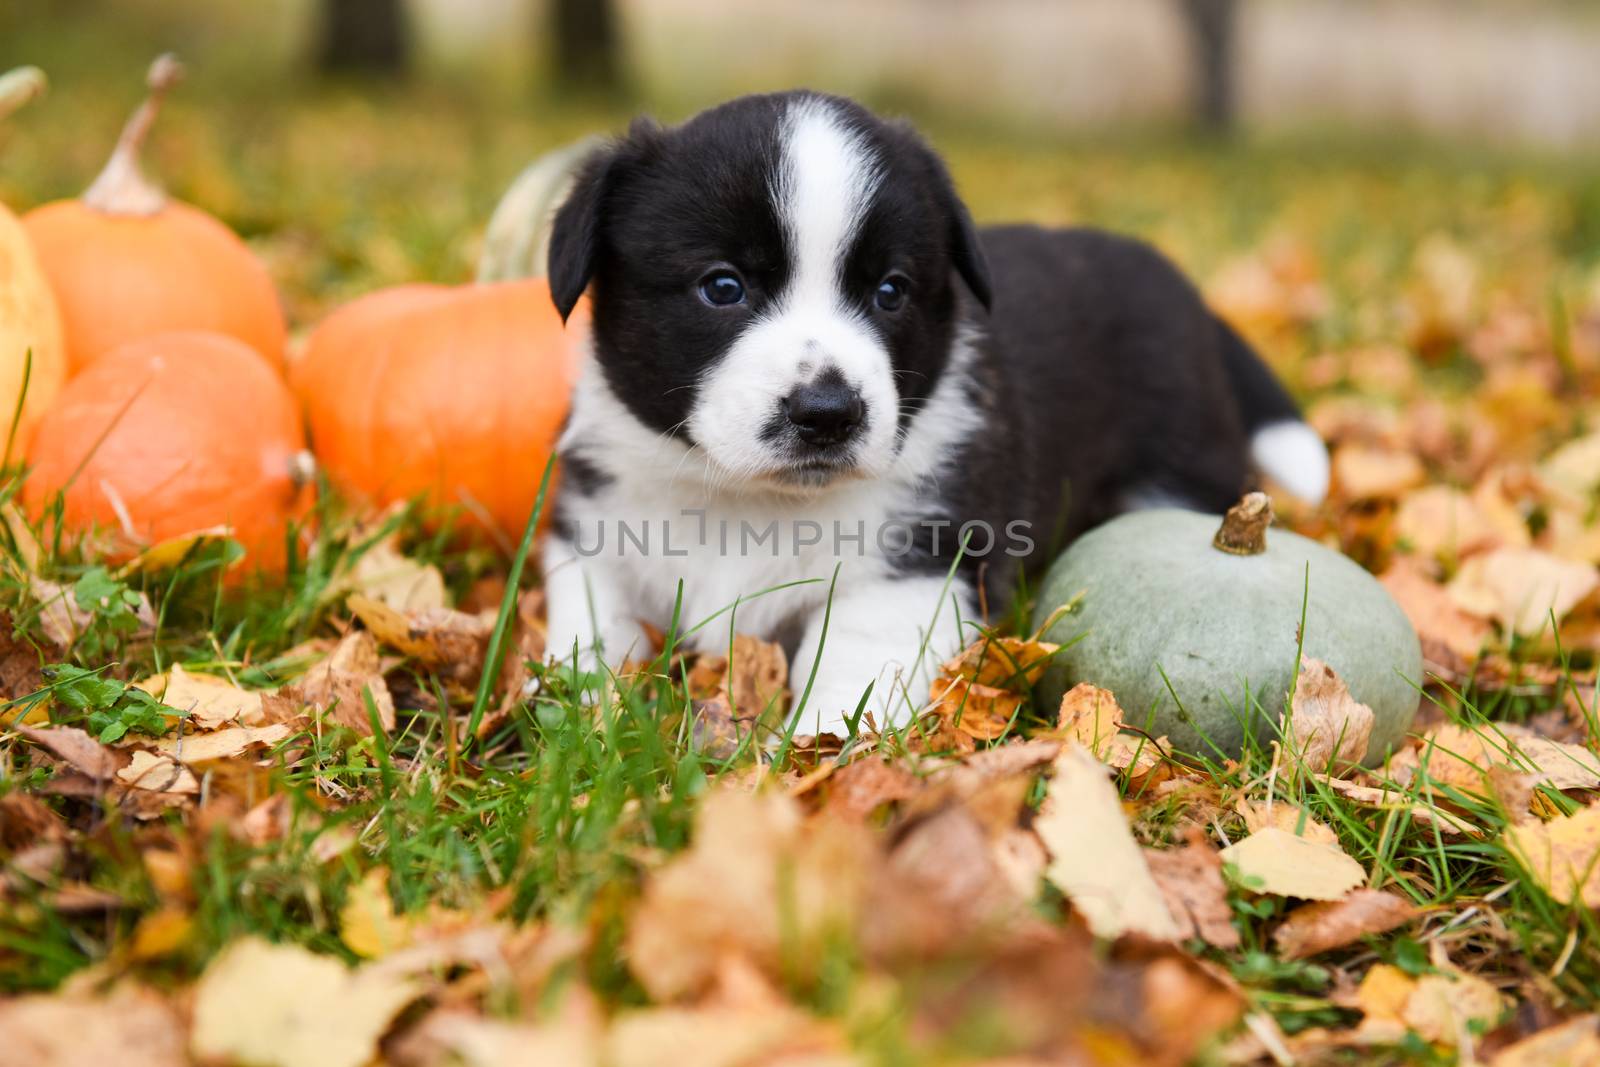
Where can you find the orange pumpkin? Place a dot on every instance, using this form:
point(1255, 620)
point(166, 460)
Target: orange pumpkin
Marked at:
point(169, 435)
point(453, 393)
point(127, 262)
point(31, 350)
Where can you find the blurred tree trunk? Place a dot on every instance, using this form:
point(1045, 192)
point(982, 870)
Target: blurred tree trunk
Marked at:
point(1213, 26)
point(585, 46)
point(363, 36)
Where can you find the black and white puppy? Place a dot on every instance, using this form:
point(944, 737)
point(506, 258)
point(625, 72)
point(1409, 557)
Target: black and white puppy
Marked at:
point(806, 359)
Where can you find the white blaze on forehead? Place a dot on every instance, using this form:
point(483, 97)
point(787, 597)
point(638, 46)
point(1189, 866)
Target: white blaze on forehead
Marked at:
point(825, 184)
point(827, 174)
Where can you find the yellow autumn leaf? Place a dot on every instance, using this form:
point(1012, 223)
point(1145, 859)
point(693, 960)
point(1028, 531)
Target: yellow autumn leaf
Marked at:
point(1273, 860)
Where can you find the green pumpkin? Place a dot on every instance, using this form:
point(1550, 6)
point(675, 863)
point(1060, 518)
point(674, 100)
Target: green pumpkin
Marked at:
point(1164, 604)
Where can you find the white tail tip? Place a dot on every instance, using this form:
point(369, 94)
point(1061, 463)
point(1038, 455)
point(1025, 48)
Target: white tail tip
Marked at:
point(1291, 454)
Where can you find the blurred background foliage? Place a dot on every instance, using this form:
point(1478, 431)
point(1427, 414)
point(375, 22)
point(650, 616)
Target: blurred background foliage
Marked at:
point(358, 143)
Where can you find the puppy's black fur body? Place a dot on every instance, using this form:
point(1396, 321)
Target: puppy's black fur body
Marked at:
point(1105, 380)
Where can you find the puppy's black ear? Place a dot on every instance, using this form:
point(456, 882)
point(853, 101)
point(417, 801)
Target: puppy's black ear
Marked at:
point(575, 235)
point(966, 252)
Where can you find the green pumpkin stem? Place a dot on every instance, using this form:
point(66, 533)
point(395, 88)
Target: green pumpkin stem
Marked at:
point(1244, 527)
point(122, 188)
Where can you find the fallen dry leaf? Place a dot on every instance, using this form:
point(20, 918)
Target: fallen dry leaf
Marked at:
point(858, 789)
point(222, 744)
point(165, 555)
point(1094, 859)
point(1447, 822)
point(75, 747)
point(1285, 816)
point(777, 1034)
point(1327, 726)
point(384, 574)
point(466, 1039)
point(1574, 467)
point(1461, 755)
point(1002, 662)
point(981, 712)
point(1563, 855)
point(1278, 862)
point(129, 1027)
point(1190, 879)
point(1444, 522)
point(751, 882)
point(1362, 472)
point(1451, 637)
point(209, 701)
point(441, 638)
point(1091, 716)
point(1448, 1007)
point(1520, 588)
point(367, 923)
point(1574, 1043)
point(1324, 925)
point(282, 1006)
point(339, 685)
point(158, 774)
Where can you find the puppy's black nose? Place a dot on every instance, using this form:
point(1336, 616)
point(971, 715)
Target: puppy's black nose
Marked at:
point(826, 412)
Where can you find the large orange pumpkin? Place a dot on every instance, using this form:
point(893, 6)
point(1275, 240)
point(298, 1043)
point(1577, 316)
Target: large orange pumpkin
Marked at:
point(454, 393)
point(31, 350)
point(169, 435)
point(127, 262)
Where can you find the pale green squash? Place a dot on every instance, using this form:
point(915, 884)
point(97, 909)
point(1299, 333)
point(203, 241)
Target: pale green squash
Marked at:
point(1197, 640)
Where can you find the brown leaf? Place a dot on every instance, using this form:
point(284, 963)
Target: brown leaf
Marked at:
point(1574, 1043)
point(158, 774)
point(221, 744)
point(981, 712)
point(1520, 588)
point(208, 701)
point(1190, 879)
point(340, 683)
point(1362, 472)
point(1327, 725)
point(1322, 926)
point(858, 789)
point(77, 748)
point(1001, 662)
point(1094, 860)
point(441, 638)
point(752, 882)
point(1461, 755)
point(1451, 638)
point(25, 821)
point(20, 675)
point(1444, 522)
point(1091, 716)
point(129, 1027)
point(714, 729)
point(1449, 824)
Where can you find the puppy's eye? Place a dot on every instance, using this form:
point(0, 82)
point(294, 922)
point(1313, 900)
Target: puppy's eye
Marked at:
point(891, 293)
point(722, 288)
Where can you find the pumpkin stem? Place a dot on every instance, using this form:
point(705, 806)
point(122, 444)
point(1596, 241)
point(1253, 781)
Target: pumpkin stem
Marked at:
point(1244, 528)
point(302, 469)
point(122, 188)
point(19, 86)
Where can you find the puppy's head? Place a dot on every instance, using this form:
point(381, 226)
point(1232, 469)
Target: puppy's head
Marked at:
point(774, 282)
